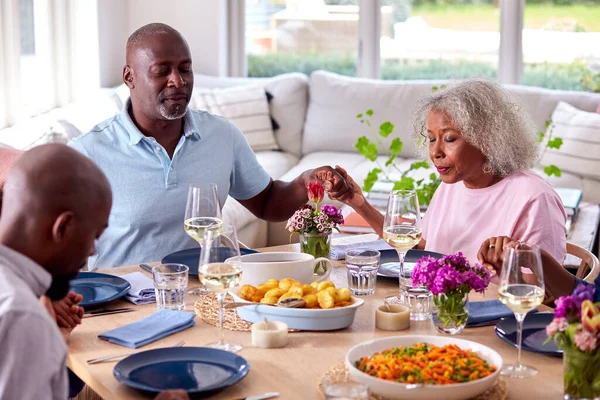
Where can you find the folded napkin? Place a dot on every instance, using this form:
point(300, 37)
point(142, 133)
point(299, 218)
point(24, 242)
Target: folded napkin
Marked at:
point(156, 326)
point(338, 251)
point(142, 288)
point(486, 312)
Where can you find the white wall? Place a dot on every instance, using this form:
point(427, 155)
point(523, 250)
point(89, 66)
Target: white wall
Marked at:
point(201, 22)
point(113, 27)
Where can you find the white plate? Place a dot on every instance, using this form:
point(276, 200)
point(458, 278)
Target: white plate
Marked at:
point(395, 390)
point(300, 318)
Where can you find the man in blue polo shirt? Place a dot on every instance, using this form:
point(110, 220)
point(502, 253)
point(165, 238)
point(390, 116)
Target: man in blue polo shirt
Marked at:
point(156, 147)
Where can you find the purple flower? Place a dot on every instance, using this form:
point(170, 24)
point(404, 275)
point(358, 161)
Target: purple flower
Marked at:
point(569, 307)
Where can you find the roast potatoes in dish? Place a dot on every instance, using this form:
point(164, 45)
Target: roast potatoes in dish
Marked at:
point(322, 295)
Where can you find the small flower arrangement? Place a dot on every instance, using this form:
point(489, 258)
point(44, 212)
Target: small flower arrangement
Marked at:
point(315, 224)
point(576, 330)
point(450, 279)
point(309, 219)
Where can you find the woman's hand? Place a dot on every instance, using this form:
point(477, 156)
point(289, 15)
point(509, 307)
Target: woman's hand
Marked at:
point(354, 199)
point(491, 253)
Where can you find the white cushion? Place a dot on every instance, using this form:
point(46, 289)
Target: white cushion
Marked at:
point(288, 105)
point(246, 107)
point(335, 101)
point(580, 132)
point(276, 163)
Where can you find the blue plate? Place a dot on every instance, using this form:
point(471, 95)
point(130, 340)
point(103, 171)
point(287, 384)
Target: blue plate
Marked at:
point(191, 257)
point(98, 289)
point(534, 333)
point(194, 369)
point(388, 264)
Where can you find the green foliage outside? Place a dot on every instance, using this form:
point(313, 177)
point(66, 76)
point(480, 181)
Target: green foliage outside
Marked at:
point(551, 76)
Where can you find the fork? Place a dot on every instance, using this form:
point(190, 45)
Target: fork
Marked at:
point(109, 358)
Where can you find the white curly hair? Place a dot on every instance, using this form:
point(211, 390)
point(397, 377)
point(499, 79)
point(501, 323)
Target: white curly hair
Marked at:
point(488, 119)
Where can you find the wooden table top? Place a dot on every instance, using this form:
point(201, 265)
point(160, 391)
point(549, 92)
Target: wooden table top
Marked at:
point(295, 370)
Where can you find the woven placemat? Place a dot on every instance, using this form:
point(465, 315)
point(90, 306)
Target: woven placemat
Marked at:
point(207, 308)
point(339, 374)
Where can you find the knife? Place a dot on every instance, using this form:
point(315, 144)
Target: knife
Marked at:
point(106, 312)
point(146, 267)
point(263, 396)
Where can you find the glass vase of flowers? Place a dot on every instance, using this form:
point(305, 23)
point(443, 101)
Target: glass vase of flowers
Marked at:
point(576, 330)
point(315, 225)
point(450, 279)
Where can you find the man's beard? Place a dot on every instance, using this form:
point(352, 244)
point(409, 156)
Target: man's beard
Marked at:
point(59, 287)
point(172, 115)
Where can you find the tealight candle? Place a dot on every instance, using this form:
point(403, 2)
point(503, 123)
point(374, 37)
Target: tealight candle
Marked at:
point(397, 318)
point(269, 334)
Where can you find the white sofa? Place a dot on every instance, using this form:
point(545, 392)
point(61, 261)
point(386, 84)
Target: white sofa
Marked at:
point(318, 126)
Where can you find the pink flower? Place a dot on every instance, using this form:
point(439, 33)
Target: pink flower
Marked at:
point(585, 340)
point(557, 325)
point(316, 191)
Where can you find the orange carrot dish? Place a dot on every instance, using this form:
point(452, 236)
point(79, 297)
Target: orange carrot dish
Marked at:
point(426, 363)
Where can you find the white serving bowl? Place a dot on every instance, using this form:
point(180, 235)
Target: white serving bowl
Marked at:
point(395, 390)
point(300, 318)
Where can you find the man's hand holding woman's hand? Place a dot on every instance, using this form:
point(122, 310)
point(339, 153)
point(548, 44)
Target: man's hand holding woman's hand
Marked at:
point(491, 252)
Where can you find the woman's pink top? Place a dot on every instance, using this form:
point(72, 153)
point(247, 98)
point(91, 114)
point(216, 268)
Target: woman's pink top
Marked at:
point(522, 206)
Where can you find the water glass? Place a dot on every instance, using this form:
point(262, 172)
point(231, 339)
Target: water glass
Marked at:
point(362, 266)
point(346, 391)
point(170, 285)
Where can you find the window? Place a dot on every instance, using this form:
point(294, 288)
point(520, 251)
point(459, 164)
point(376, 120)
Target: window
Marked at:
point(428, 39)
point(301, 36)
point(545, 43)
point(561, 44)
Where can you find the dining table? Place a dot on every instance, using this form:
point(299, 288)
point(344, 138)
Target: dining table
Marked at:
point(296, 369)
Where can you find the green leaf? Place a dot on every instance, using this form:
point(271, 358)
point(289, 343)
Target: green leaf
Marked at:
point(443, 87)
point(555, 143)
point(385, 129)
point(366, 148)
point(418, 164)
point(433, 176)
point(405, 183)
point(396, 146)
point(369, 112)
point(548, 123)
point(434, 88)
point(371, 178)
point(540, 136)
point(390, 160)
point(552, 170)
point(359, 115)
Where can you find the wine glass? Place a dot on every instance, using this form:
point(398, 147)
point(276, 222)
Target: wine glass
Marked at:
point(220, 270)
point(202, 212)
point(521, 289)
point(401, 230)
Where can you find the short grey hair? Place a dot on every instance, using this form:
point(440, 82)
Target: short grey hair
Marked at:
point(489, 120)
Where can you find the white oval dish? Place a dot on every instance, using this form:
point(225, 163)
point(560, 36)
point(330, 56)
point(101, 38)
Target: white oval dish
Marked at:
point(300, 318)
point(395, 390)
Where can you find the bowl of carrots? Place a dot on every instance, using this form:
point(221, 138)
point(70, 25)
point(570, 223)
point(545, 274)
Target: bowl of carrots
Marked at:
point(424, 367)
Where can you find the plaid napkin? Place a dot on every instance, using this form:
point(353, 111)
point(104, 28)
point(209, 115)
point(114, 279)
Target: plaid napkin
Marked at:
point(142, 288)
point(338, 251)
point(487, 312)
point(147, 330)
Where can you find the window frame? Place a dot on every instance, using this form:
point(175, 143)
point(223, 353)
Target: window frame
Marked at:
point(510, 53)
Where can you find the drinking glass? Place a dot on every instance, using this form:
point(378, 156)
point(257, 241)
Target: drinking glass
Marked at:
point(362, 266)
point(346, 391)
point(401, 230)
point(202, 213)
point(220, 270)
point(170, 284)
point(521, 289)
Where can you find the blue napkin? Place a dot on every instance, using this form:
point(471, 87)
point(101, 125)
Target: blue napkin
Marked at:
point(156, 326)
point(485, 312)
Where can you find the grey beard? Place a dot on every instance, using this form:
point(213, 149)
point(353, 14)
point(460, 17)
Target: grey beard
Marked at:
point(170, 115)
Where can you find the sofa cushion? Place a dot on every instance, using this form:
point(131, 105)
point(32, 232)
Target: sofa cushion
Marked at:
point(540, 103)
point(276, 163)
point(580, 132)
point(288, 105)
point(245, 106)
point(335, 101)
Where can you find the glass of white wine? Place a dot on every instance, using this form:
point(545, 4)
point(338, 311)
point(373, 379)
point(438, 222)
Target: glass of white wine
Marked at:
point(202, 213)
point(401, 230)
point(221, 270)
point(521, 289)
